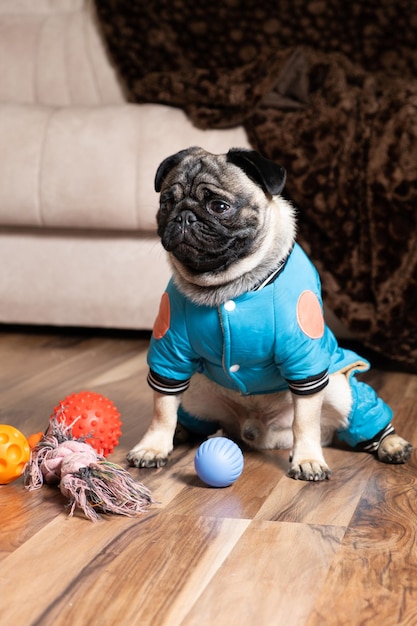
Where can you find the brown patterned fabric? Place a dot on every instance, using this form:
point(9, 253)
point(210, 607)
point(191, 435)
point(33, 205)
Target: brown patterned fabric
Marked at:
point(328, 89)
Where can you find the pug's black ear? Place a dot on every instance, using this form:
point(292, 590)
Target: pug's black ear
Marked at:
point(168, 164)
point(270, 176)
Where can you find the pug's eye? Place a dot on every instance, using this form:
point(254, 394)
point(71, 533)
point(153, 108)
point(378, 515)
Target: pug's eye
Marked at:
point(213, 204)
point(217, 206)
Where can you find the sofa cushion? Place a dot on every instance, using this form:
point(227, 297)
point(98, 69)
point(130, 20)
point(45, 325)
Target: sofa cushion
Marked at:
point(51, 53)
point(92, 167)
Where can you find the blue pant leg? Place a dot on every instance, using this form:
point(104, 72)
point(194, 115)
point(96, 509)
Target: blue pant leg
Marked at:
point(195, 425)
point(369, 415)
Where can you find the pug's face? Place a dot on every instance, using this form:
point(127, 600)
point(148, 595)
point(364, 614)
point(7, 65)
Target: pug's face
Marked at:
point(220, 216)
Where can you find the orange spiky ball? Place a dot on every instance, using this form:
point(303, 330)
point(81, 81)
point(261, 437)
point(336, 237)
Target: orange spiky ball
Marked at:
point(92, 417)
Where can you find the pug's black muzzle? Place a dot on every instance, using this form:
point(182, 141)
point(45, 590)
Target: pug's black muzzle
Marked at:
point(198, 245)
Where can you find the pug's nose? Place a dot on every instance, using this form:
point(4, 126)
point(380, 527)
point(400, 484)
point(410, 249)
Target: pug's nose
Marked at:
point(186, 218)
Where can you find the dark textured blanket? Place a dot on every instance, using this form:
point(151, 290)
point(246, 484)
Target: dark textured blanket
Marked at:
point(327, 88)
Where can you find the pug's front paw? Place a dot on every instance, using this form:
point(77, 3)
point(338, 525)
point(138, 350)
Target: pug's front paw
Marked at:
point(150, 452)
point(310, 470)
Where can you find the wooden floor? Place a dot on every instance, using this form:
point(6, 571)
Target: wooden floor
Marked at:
point(267, 551)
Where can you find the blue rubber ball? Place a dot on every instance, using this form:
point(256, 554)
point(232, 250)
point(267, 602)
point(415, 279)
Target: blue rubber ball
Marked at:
point(218, 462)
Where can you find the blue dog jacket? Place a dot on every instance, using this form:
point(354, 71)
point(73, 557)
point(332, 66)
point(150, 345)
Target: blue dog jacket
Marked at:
point(267, 340)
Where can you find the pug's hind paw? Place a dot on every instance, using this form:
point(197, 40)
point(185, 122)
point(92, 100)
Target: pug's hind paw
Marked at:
point(394, 449)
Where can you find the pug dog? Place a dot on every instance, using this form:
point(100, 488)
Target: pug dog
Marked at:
point(240, 342)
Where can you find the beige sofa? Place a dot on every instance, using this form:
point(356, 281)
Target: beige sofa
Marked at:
point(77, 205)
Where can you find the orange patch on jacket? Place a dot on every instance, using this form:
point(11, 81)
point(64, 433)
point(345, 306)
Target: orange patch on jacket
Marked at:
point(163, 320)
point(310, 315)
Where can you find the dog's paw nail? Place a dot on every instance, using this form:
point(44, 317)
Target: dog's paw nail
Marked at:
point(294, 472)
point(150, 463)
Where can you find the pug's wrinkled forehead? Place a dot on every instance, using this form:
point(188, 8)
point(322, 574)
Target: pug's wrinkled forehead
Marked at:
point(218, 169)
point(199, 170)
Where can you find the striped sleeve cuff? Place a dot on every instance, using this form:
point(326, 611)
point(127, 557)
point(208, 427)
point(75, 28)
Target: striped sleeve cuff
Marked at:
point(372, 445)
point(167, 385)
point(310, 385)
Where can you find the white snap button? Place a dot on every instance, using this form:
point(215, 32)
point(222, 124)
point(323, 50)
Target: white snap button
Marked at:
point(230, 305)
point(235, 368)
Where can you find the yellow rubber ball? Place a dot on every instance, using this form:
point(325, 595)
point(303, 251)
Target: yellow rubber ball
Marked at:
point(14, 453)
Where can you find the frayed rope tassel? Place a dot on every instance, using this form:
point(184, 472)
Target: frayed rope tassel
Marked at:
point(90, 482)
